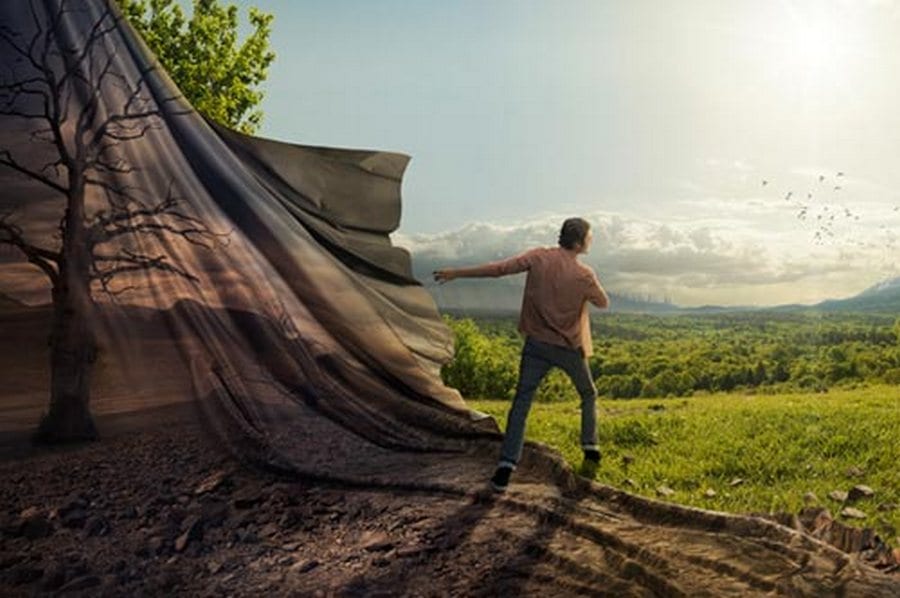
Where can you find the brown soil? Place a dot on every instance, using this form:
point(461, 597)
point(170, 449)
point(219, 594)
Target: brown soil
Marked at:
point(156, 509)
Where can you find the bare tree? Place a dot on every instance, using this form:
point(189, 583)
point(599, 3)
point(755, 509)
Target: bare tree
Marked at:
point(83, 109)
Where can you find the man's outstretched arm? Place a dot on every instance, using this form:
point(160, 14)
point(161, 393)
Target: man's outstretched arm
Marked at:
point(596, 294)
point(513, 265)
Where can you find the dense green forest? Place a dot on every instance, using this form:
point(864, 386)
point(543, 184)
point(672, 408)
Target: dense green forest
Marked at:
point(683, 355)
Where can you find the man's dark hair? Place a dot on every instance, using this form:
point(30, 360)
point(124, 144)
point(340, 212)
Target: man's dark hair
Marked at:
point(573, 232)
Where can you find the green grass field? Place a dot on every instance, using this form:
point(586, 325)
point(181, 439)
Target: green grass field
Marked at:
point(781, 446)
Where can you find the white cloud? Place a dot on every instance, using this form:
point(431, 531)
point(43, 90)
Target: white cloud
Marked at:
point(716, 260)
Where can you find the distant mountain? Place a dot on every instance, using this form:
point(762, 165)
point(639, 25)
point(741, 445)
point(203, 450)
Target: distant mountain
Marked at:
point(881, 297)
point(476, 296)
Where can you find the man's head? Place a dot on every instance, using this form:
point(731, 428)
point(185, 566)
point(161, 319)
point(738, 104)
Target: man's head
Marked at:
point(575, 235)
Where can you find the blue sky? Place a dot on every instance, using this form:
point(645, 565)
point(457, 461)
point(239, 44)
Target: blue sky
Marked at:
point(664, 115)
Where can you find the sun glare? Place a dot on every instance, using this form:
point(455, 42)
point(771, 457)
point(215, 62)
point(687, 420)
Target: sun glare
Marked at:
point(816, 46)
point(816, 50)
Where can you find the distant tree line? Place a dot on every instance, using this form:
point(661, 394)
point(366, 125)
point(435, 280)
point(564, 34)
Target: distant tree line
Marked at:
point(679, 356)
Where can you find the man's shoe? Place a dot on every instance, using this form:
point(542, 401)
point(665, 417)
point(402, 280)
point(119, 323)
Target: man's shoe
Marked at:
point(592, 456)
point(588, 469)
point(501, 479)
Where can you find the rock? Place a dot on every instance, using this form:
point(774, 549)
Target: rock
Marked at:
point(130, 512)
point(247, 536)
point(710, 493)
point(211, 482)
point(269, 530)
point(851, 539)
point(630, 482)
point(155, 546)
point(888, 506)
point(376, 542)
point(305, 567)
point(736, 482)
point(854, 472)
point(412, 551)
point(248, 498)
point(852, 513)
point(838, 495)
point(810, 498)
point(74, 518)
point(81, 583)
point(193, 530)
point(96, 526)
point(74, 502)
point(664, 491)
point(29, 512)
point(815, 518)
point(859, 491)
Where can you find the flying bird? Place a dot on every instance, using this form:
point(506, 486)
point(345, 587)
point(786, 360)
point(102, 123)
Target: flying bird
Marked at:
point(765, 182)
point(840, 174)
point(788, 196)
point(837, 187)
point(821, 177)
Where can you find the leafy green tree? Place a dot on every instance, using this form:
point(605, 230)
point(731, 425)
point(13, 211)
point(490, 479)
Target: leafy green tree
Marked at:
point(217, 74)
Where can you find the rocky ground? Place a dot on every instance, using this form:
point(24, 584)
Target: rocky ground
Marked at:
point(160, 510)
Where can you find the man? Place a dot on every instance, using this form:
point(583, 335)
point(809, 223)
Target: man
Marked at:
point(554, 320)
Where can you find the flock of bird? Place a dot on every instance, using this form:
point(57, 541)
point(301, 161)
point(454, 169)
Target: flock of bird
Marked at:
point(829, 216)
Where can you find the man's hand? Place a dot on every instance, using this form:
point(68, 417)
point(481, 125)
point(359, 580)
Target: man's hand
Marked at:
point(444, 275)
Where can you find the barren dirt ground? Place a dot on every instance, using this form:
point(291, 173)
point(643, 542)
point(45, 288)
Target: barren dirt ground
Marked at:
point(155, 508)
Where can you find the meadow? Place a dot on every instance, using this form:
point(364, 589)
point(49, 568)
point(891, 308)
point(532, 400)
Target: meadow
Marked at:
point(770, 444)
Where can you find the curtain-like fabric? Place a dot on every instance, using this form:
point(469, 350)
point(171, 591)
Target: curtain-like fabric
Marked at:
point(257, 277)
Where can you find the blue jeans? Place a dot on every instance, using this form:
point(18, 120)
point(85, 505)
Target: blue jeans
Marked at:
point(537, 359)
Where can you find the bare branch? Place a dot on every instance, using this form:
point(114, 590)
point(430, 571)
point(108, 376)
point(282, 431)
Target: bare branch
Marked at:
point(7, 159)
point(136, 262)
point(11, 234)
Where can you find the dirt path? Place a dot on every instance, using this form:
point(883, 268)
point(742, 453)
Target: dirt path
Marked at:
point(163, 512)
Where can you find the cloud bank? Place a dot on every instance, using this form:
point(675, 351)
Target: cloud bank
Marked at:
point(720, 261)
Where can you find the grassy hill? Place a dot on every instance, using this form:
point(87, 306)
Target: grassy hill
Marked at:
point(755, 453)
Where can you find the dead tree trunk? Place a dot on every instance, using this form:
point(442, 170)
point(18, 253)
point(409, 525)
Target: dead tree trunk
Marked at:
point(73, 348)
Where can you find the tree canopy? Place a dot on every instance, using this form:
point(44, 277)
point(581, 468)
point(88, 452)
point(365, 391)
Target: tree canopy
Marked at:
point(219, 74)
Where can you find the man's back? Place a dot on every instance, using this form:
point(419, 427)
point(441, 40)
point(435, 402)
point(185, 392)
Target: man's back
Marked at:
point(557, 289)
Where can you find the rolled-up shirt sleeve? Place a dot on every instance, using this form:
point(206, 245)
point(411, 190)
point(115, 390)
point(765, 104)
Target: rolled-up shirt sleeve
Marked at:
point(513, 265)
point(595, 293)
